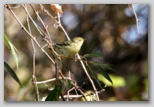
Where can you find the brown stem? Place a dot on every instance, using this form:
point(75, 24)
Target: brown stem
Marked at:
point(34, 51)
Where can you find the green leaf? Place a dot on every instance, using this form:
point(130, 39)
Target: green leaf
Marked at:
point(96, 63)
point(6, 41)
point(104, 65)
point(12, 49)
point(94, 54)
point(55, 93)
point(95, 76)
point(108, 67)
point(118, 80)
point(104, 73)
point(12, 73)
point(68, 83)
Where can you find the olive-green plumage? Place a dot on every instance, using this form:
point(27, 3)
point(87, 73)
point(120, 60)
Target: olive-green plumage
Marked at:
point(70, 48)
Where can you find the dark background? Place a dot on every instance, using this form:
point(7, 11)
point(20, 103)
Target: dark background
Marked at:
point(107, 29)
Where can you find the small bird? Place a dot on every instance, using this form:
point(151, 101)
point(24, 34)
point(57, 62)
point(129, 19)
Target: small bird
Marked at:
point(70, 47)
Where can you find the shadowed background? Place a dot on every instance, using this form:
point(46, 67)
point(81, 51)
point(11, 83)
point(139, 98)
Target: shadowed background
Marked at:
point(107, 29)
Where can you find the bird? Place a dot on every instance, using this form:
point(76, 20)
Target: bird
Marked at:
point(70, 47)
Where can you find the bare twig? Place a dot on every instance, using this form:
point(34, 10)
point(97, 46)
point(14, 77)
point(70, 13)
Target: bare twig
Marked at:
point(57, 22)
point(51, 80)
point(67, 78)
point(80, 91)
point(78, 56)
point(60, 25)
point(83, 66)
point(36, 26)
point(34, 80)
point(41, 7)
point(137, 20)
point(72, 96)
point(68, 93)
point(46, 36)
point(30, 35)
point(39, 18)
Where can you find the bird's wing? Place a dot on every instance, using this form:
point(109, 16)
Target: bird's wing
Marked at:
point(66, 43)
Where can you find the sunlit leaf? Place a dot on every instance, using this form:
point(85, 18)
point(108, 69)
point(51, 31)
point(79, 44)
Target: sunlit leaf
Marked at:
point(12, 73)
point(118, 81)
point(104, 73)
point(55, 93)
point(12, 49)
point(6, 40)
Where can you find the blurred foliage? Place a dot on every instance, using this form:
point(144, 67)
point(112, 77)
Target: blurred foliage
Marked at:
point(109, 29)
point(118, 81)
point(55, 93)
point(12, 73)
point(12, 49)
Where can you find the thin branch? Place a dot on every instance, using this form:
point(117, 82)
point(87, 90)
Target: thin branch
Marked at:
point(45, 26)
point(78, 56)
point(68, 93)
point(60, 25)
point(93, 85)
point(72, 96)
point(80, 91)
point(51, 80)
point(30, 35)
point(44, 10)
point(49, 41)
point(137, 20)
point(36, 26)
point(57, 22)
point(34, 51)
